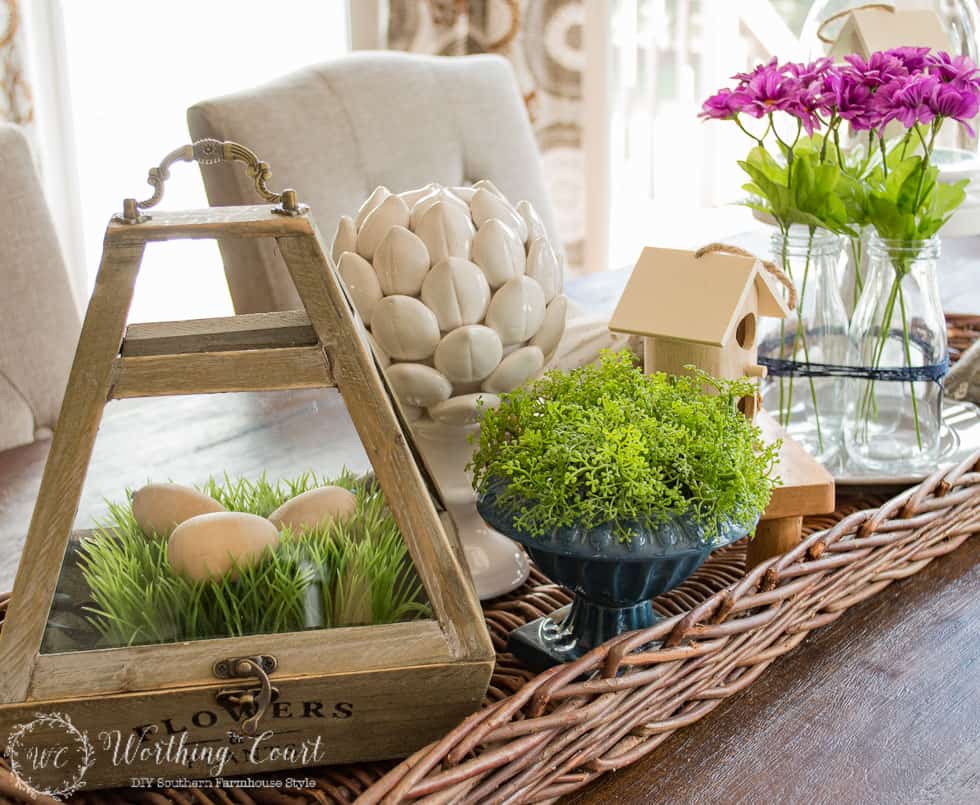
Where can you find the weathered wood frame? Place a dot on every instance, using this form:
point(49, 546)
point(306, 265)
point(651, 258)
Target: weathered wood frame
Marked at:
point(323, 345)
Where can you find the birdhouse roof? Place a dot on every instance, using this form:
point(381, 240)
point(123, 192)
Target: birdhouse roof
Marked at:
point(867, 30)
point(673, 294)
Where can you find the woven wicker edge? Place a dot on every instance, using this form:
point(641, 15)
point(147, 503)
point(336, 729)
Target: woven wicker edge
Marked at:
point(559, 733)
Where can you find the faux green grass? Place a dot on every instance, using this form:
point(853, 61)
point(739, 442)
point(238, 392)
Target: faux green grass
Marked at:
point(352, 572)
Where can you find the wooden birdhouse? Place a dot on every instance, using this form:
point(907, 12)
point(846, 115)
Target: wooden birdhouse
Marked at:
point(864, 31)
point(213, 705)
point(702, 308)
point(699, 310)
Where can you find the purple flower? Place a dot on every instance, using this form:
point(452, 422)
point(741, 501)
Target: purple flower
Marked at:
point(913, 58)
point(795, 88)
point(847, 94)
point(809, 73)
point(956, 101)
point(882, 67)
point(805, 105)
point(769, 66)
point(724, 105)
point(909, 101)
point(958, 69)
point(769, 90)
point(809, 81)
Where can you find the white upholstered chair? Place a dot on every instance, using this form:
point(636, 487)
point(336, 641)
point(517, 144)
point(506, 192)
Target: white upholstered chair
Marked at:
point(39, 322)
point(335, 131)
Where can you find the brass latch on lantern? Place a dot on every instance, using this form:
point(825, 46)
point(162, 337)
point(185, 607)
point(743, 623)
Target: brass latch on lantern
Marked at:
point(251, 700)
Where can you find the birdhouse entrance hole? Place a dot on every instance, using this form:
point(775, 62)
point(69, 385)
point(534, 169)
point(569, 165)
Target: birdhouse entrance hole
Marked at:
point(748, 405)
point(745, 332)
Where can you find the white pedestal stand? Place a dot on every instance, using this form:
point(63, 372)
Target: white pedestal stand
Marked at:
point(498, 564)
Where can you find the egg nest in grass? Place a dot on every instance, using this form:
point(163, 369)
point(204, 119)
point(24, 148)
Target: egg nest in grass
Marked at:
point(349, 572)
point(460, 290)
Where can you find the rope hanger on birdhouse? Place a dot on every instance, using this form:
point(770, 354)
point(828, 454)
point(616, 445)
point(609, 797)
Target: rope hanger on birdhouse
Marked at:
point(772, 268)
point(841, 14)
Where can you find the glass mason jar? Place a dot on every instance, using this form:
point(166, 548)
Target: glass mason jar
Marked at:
point(808, 404)
point(897, 334)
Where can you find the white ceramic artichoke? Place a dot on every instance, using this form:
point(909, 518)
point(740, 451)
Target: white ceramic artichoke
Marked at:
point(460, 290)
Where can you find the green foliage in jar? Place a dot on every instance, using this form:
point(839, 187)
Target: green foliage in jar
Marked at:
point(607, 443)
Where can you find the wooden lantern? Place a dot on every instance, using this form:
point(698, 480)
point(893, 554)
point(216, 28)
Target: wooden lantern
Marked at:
point(344, 694)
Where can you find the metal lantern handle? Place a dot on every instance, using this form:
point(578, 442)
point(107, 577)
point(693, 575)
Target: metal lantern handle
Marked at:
point(211, 152)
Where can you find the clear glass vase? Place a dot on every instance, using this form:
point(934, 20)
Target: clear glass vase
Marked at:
point(898, 337)
point(808, 404)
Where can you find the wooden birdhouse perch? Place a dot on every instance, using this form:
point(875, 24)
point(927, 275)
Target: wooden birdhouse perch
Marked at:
point(700, 308)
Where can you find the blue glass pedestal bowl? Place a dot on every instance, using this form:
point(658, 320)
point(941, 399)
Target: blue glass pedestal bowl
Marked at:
point(613, 580)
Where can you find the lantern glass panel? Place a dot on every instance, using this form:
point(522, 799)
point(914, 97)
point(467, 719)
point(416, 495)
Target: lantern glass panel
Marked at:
point(335, 558)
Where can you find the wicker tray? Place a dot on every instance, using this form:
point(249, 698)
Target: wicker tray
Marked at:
point(539, 737)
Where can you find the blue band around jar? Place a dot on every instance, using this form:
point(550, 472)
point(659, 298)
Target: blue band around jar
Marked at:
point(779, 367)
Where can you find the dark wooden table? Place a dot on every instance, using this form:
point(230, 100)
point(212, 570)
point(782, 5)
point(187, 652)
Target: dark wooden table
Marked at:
point(881, 707)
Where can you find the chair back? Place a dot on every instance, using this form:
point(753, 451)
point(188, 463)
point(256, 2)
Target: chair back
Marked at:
point(39, 321)
point(335, 131)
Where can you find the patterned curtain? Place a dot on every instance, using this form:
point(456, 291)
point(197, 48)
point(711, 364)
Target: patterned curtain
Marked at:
point(543, 39)
point(16, 103)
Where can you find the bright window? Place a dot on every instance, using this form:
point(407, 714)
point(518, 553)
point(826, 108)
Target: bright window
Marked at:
point(674, 177)
point(134, 68)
